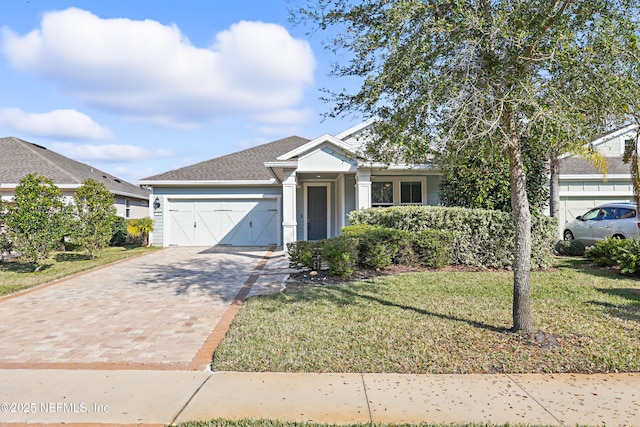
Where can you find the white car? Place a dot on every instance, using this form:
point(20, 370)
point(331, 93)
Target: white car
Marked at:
point(617, 220)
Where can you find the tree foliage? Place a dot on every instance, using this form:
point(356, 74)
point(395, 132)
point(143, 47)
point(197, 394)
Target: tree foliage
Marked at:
point(478, 177)
point(95, 214)
point(38, 219)
point(441, 75)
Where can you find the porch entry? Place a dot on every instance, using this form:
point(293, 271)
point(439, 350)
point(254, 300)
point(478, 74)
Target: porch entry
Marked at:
point(316, 213)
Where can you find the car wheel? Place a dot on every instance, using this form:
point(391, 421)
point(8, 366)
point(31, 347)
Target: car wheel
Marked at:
point(618, 237)
point(567, 235)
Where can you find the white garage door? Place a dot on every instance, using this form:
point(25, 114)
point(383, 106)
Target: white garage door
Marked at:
point(223, 222)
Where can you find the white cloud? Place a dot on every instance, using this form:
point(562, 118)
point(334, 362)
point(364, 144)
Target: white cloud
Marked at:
point(54, 124)
point(285, 117)
point(150, 71)
point(108, 152)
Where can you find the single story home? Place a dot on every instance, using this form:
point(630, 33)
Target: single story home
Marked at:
point(287, 190)
point(298, 189)
point(20, 158)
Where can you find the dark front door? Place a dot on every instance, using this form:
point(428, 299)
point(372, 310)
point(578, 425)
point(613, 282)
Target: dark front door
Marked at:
point(317, 213)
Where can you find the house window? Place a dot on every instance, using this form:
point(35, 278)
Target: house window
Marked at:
point(127, 208)
point(381, 194)
point(411, 193)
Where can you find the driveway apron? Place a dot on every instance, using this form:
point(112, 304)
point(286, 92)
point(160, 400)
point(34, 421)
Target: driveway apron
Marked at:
point(152, 312)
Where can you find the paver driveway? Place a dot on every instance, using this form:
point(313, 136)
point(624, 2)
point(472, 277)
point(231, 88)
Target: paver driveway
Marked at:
point(154, 312)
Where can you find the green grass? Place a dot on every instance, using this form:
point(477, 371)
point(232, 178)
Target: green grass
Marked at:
point(16, 276)
point(441, 322)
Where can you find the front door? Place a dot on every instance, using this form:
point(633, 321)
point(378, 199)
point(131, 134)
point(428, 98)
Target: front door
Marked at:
point(316, 213)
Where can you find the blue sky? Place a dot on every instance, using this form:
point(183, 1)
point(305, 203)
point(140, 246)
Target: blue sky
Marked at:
point(140, 87)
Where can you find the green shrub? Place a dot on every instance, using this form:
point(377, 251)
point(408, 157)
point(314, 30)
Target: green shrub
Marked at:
point(358, 230)
point(570, 248)
point(629, 257)
point(119, 231)
point(381, 247)
point(341, 255)
point(6, 245)
point(482, 237)
point(305, 254)
point(432, 248)
point(605, 252)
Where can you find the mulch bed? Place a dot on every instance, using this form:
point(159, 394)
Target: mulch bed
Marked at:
point(323, 276)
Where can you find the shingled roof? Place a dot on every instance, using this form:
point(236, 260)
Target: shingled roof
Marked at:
point(20, 158)
point(245, 165)
point(578, 166)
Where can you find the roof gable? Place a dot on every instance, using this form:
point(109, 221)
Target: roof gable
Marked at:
point(314, 144)
point(20, 158)
point(327, 158)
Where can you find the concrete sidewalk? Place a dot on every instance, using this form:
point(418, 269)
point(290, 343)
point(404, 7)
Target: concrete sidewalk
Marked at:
point(166, 397)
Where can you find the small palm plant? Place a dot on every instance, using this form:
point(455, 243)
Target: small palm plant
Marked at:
point(141, 227)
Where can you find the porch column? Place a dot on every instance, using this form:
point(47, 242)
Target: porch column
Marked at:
point(289, 224)
point(363, 189)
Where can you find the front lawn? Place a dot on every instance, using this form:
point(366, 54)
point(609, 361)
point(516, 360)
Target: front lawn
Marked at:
point(16, 276)
point(441, 322)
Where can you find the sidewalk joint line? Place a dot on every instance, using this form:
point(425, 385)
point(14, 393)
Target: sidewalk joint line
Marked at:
point(366, 397)
point(535, 400)
point(173, 421)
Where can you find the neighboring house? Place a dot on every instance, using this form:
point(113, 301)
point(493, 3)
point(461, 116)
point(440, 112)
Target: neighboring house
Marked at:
point(299, 189)
point(287, 190)
point(582, 187)
point(19, 158)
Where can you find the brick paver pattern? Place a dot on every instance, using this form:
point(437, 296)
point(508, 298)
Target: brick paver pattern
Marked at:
point(155, 310)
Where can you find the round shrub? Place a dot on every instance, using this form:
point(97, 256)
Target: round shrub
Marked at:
point(341, 255)
point(570, 248)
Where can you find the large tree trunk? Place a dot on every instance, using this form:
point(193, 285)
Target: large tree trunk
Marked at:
point(522, 314)
point(554, 189)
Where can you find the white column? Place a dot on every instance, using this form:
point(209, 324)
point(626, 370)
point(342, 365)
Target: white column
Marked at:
point(363, 189)
point(289, 224)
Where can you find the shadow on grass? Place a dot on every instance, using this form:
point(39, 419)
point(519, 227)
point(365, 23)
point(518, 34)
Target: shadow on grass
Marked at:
point(626, 311)
point(350, 297)
point(583, 265)
point(71, 257)
point(21, 267)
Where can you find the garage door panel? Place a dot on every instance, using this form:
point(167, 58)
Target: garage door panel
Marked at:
point(236, 229)
point(208, 227)
point(179, 224)
point(265, 227)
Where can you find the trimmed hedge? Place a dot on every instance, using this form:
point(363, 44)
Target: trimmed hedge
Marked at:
point(369, 246)
point(482, 238)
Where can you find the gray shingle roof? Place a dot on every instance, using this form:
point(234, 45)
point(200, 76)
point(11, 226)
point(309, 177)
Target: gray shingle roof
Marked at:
point(19, 158)
point(578, 166)
point(245, 165)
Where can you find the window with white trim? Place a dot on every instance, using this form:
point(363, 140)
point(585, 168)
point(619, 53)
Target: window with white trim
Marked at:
point(381, 194)
point(411, 193)
point(127, 208)
point(397, 190)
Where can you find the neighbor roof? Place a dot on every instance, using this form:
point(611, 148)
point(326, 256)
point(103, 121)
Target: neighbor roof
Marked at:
point(578, 166)
point(245, 165)
point(20, 158)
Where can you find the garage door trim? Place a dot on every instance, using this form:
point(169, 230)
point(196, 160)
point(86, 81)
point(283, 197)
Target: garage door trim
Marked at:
point(167, 199)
